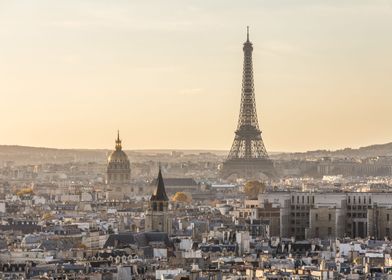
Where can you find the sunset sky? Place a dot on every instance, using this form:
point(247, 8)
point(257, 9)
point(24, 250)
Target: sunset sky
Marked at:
point(168, 73)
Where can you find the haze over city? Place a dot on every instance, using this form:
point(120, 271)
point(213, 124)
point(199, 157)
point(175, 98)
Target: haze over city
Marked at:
point(195, 140)
point(168, 73)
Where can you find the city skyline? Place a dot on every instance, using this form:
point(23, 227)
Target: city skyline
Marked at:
point(321, 78)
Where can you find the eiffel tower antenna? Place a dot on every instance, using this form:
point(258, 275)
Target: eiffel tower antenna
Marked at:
point(248, 157)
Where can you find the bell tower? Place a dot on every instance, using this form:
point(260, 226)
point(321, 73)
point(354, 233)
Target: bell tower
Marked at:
point(158, 215)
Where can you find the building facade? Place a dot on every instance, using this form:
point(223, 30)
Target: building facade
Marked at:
point(158, 215)
point(118, 173)
point(306, 215)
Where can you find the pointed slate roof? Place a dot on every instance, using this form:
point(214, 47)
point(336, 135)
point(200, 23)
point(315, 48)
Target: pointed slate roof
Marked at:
point(141, 239)
point(160, 192)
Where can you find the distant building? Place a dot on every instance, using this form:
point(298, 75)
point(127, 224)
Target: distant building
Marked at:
point(173, 185)
point(379, 166)
point(118, 172)
point(148, 244)
point(306, 215)
point(158, 215)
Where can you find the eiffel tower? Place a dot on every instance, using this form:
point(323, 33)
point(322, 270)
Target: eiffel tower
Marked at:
point(248, 157)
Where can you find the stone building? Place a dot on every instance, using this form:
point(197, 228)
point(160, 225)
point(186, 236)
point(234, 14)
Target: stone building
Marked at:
point(358, 205)
point(378, 166)
point(173, 185)
point(306, 215)
point(380, 222)
point(327, 216)
point(158, 215)
point(379, 216)
point(118, 173)
point(271, 213)
point(325, 222)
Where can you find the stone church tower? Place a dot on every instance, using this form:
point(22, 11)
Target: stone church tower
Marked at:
point(118, 172)
point(158, 215)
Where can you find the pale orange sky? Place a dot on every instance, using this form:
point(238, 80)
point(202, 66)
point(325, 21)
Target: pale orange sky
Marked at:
point(168, 73)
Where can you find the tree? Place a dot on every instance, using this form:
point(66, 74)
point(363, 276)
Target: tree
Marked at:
point(47, 216)
point(182, 197)
point(253, 188)
point(25, 191)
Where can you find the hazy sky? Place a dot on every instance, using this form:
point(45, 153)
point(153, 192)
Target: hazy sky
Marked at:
point(168, 73)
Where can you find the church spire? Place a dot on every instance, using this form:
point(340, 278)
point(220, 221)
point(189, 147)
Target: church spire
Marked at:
point(160, 192)
point(118, 141)
point(247, 33)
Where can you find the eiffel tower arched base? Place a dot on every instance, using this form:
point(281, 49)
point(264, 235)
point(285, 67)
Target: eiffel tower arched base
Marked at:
point(248, 169)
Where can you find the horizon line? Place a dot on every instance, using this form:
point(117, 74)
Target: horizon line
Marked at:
point(189, 149)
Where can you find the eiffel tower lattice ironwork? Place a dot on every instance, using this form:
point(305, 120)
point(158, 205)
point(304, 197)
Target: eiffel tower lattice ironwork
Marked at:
point(248, 157)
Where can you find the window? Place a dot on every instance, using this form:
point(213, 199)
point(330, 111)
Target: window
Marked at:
point(387, 231)
point(329, 231)
point(329, 217)
point(388, 217)
point(316, 217)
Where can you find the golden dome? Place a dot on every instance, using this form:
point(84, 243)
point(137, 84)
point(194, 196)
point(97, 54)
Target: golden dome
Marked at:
point(118, 156)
